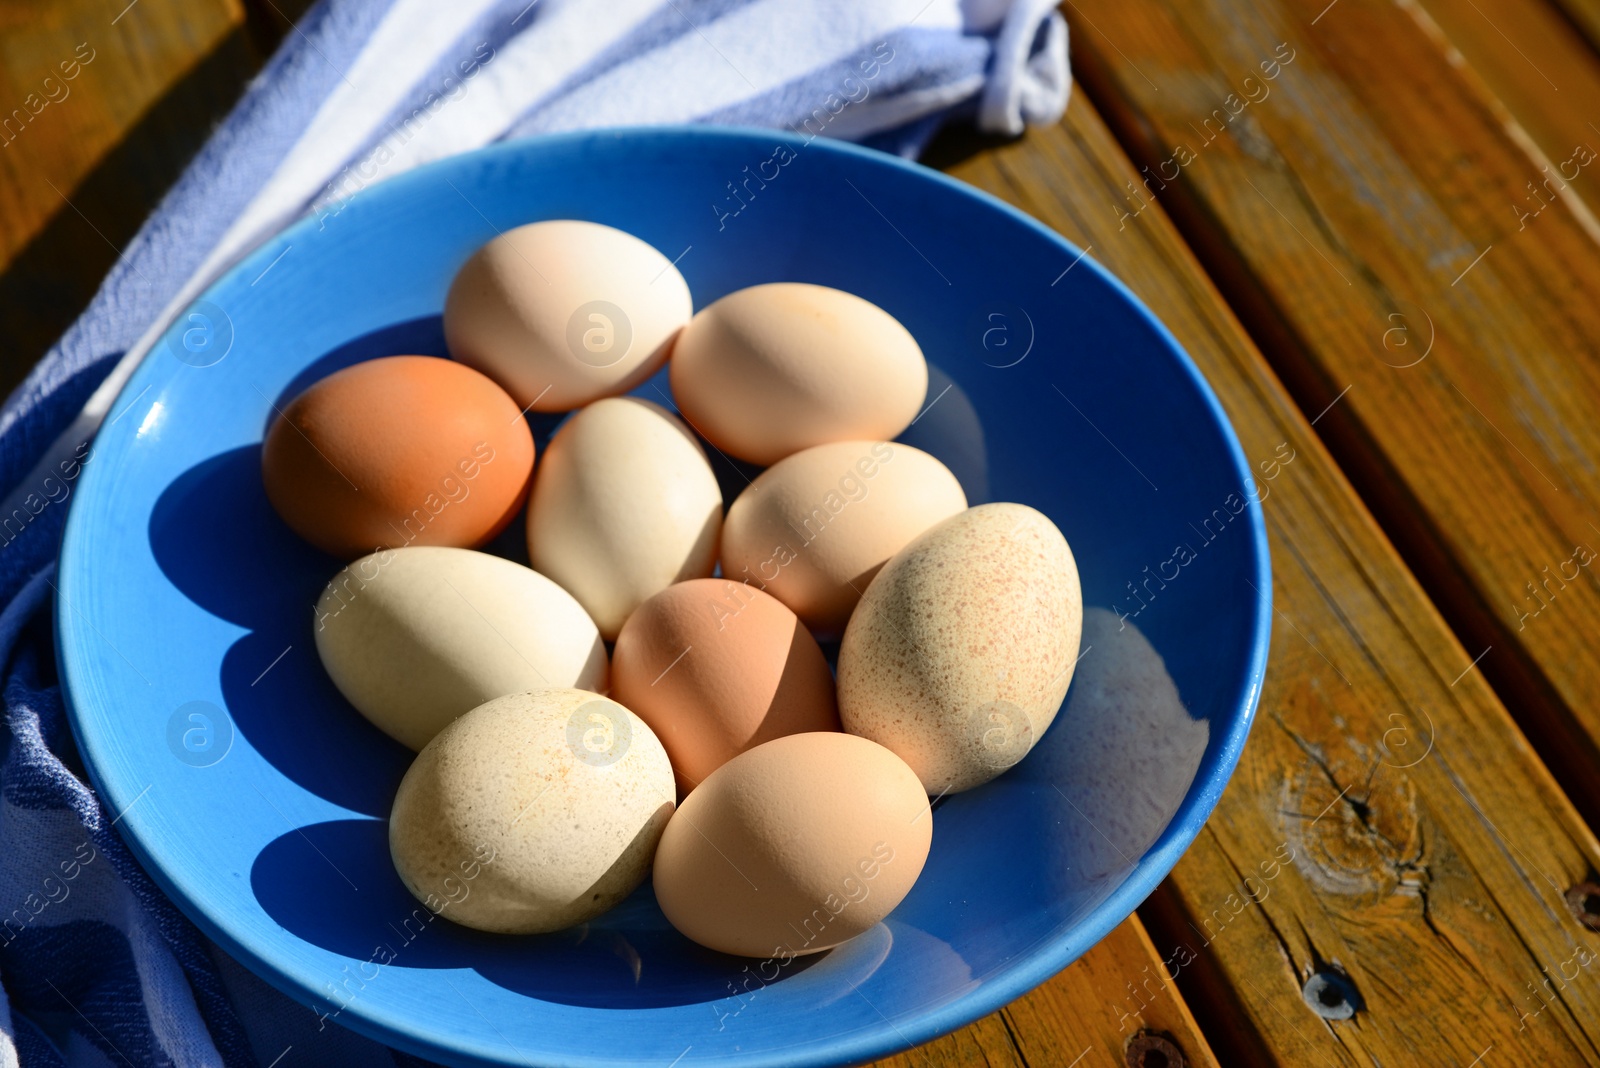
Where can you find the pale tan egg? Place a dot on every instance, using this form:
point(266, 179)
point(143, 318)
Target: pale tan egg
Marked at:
point(794, 847)
point(532, 812)
point(718, 667)
point(959, 654)
point(814, 528)
point(773, 369)
point(563, 312)
point(416, 637)
point(623, 506)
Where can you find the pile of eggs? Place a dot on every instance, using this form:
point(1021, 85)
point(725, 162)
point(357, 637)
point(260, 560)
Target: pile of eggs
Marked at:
point(780, 810)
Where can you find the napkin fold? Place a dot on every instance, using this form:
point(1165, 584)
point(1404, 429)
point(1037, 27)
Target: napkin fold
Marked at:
point(97, 966)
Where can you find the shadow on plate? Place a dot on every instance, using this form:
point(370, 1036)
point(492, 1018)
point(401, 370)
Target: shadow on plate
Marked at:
point(216, 537)
point(334, 885)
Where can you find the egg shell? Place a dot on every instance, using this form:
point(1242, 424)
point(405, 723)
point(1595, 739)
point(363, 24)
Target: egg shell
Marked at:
point(814, 528)
point(564, 312)
point(794, 847)
point(773, 369)
point(416, 637)
point(718, 667)
point(532, 812)
point(960, 652)
point(623, 506)
point(402, 450)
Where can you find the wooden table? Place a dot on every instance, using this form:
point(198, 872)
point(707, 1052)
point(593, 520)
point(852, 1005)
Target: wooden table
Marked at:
point(1372, 224)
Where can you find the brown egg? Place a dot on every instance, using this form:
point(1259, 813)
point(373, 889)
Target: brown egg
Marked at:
point(794, 847)
point(718, 667)
point(404, 450)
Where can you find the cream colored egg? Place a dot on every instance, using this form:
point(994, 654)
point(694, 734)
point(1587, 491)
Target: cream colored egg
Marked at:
point(415, 637)
point(960, 652)
point(563, 312)
point(773, 369)
point(813, 529)
point(624, 504)
point(532, 812)
point(794, 846)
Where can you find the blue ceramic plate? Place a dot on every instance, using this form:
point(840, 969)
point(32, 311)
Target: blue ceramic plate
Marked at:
point(257, 798)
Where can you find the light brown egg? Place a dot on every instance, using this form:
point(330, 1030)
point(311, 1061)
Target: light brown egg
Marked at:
point(718, 667)
point(960, 652)
point(532, 812)
point(813, 529)
point(624, 505)
point(793, 847)
point(404, 450)
point(564, 312)
point(773, 369)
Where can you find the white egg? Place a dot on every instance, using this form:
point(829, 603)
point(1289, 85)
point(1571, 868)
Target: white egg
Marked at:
point(624, 504)
point(415, 637)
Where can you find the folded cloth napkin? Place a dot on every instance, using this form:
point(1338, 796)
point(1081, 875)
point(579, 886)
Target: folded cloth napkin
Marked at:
point(97, 967)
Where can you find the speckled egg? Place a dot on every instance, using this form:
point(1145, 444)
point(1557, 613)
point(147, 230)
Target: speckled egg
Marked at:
point(794, 847)
point(563, 312)
point(773, 369)
point(813, 529)
point(415, 637)
point(960, 652)
point(532, 812)
point(623, 506)
point(718, 667)
point(403, 450)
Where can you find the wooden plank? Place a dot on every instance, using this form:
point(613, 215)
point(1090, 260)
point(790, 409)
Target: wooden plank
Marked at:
point(1541, 76)
point(1086, 1016)
point(1388, 822)
point(1090, 1013)
point(99, 111)
point(1359, 216)
point(1585, 17)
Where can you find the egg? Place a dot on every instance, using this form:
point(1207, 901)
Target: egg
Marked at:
point(773, 369)
point(532, 812)
point(813, 529)
point(718, 667)
point(563, 312)
point(961, 650)
point(416, 637)
point(794, 847)
point(623, 506)
point(403, 450)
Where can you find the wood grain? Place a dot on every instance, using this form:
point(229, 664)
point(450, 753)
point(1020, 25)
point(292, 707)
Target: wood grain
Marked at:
point(1585, 17)
point(1424, 848)
point(1360, 216)
point(1541, 76)
point(99, 111)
